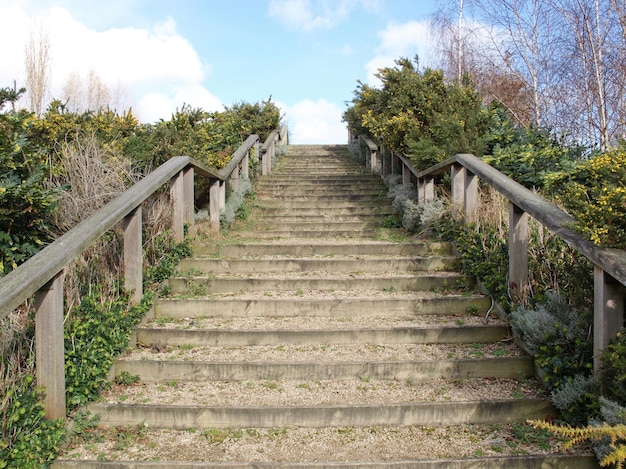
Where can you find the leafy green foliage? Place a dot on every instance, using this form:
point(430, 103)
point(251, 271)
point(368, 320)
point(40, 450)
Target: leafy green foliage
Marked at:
point(209, 137)
point(25, 202)
point(163, 255)
point(484, 253)
point(613, 361)
point(577, 399)
point(594, 192)
point(59, 125)
point(97, 331)
point(418, 114)
point(557, 336)
point(125, 378)
point(527, 155)
point(29, 441)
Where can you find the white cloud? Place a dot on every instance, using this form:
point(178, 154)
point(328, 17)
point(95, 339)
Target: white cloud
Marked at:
point(401, 40)
point(315, 122)
point(160, 68)
point(309, 15)
point(155, 106)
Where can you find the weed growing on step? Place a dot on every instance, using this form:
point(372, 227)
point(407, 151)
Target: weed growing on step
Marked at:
point(391, 221)
point(126, 379)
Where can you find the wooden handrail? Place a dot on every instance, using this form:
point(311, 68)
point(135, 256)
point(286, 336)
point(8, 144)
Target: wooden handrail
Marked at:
point(610, 264)
point(240, 154)
point(42, 275)
point(21, 283)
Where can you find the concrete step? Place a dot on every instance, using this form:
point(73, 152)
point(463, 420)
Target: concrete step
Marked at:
point(314, 197)
point(327, 205)
point(335, 264)
point(242, 338)
point(329, 213)
point(296, 216)
point(313, 234)
point(313, 180)
point(422, 413)
point(206, 285)
point(330, 248)
point(380, 443)
point(329, 305)
point(299, 191)
point(279, 183)
point(348, 226)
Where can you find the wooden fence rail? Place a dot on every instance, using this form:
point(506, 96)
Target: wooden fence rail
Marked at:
point(42, 275)
point(465, 170)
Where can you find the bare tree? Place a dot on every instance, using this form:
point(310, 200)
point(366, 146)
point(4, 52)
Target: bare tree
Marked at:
point(73, 95)
point(37, 64)
point(468, 47)
point(453, 36)
point(92, 94)
point(618, 67)
point(97, 92)
point(587, 25)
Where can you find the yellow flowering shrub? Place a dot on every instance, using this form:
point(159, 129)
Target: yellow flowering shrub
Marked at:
point(595, 194)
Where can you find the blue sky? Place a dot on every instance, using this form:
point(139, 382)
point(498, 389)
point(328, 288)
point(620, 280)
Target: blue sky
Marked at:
point(157, 54)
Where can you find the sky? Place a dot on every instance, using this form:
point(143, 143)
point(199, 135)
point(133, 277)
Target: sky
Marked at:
point(307, 55)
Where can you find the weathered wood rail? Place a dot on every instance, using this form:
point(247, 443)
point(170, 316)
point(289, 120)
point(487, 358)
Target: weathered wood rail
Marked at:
point(43, 274)
point(465, 170)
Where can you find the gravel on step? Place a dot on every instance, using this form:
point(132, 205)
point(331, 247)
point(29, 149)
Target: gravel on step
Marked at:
point(325, 353)
point(324, 392)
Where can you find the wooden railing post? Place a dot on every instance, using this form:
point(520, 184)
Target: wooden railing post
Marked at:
point(374, 161)
point(49, 346)
point(256, 158)
point(222, 196)
point(177, 195)
point(608, 316)
point(188, 192)
point(214, 205)
point(385, 164)
point(266, 162)
point(133, 255)
point(234, 180)
point(457, 175)
point(425, 190)
point(471, 197)
point(518, 251)
point(245, 168)
point(406, 176)
point(395, 163)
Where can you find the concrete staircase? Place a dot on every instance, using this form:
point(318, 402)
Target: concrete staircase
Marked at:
point(313, 337)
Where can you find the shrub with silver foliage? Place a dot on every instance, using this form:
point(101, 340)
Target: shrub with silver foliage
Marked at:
point(533, 325)
point(572, 391)
point(234, 201)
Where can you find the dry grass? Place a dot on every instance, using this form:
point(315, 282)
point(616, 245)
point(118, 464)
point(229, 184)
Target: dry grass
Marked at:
point(89, 177)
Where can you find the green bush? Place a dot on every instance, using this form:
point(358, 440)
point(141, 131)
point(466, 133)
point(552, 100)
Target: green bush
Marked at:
point(613, 374)
point(528, 155)
point(485, 254)
point(594, 192)
point(25, 201)
point(418, 114)
point(29, 441)
point(162, 257)
point(577, 400)
point(98, 330)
